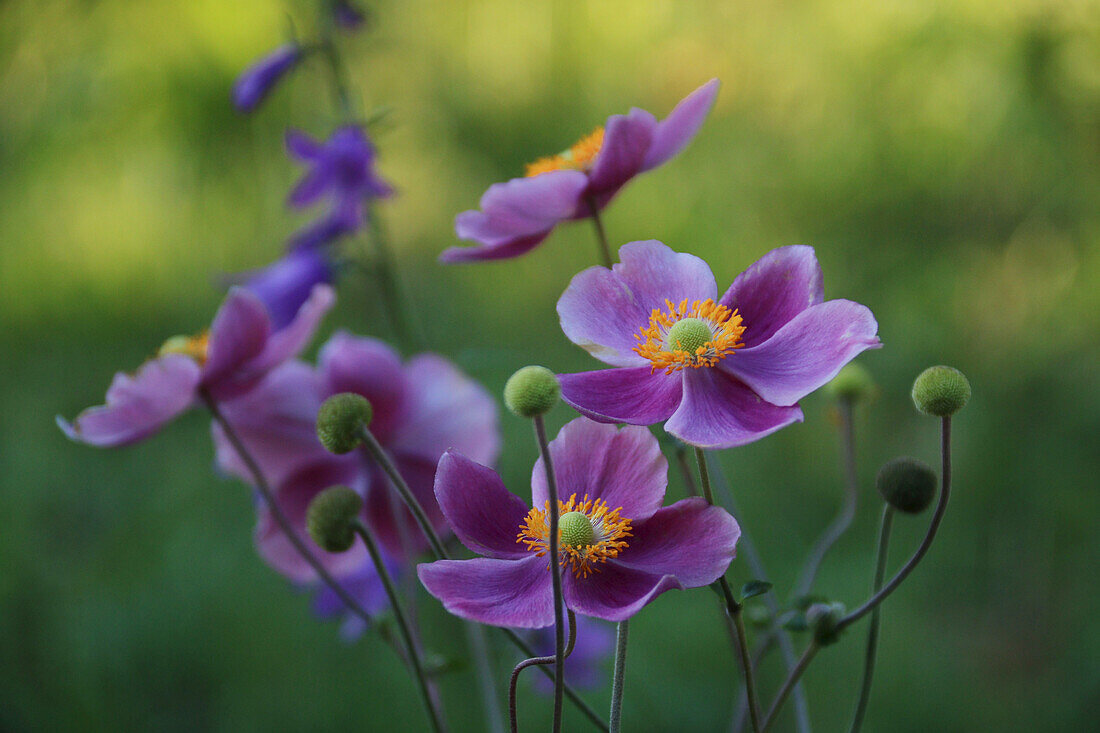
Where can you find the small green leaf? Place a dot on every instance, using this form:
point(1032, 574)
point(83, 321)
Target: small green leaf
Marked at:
point(754, 588)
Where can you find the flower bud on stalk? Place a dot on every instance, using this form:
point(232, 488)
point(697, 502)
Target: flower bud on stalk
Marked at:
point(532, 391)
point(330, 516)
point(341, 421)
point(941, 391)
point(907, 484)
point(852, 383)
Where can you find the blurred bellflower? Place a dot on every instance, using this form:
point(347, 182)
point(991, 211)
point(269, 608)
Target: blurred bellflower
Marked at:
point(518, 215)
point(721, 373)
point(237, 352)
point(257, 81)
point(285, 284)
point(619, 559)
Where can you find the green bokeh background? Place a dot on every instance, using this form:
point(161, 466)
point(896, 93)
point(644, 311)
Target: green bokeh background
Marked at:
point(943, 157)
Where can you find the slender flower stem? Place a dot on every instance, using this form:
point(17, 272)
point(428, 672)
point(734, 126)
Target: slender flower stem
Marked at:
point(937, 517)
point(412, 652)
point(577, 700)
point(277, 512)
point(601, 235)
point(513, 709)
point(616, 719)
point(555, 569)
point(847, 512)
point(389, 286)
point(382, 459)
point(876, 618)
point(789, 684)
point(733, 608)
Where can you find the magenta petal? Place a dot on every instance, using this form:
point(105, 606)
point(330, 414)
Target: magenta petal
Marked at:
point(522, 207)
point(720, 412)
point(625, 142)
point(775, 289)
point(238, 334)
point(615, 593)
point(139, 405)
point(632, 395)
point(276, 421)
point(445, 409)
point(675, 131)
point(286, 343)
point(689, 539)
point(806, 352)
point(370, 368)
point(623, 467)
point(599, 313)
point(294, 496)
point(655, 273)
point(486, 252)
point(483, 513)
point(497, 592)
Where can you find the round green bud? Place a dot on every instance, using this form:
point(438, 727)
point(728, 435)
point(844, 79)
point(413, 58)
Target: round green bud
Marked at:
point(531, 391)
point(329, 518)
point(688, 334)
point(823, 618)
point(907, 484)
point(852, 383)
point(941, 391)
point(576, 530)
point(341, 420)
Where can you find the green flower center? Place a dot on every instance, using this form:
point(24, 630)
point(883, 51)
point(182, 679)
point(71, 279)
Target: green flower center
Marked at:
point(688, 334)
point(576, 530)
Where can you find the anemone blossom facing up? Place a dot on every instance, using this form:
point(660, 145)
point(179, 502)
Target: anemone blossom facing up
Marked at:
point(721, 372)
point(518, 215)
point(619, 550)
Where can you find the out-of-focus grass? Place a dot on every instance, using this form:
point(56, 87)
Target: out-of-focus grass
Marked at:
point(942, 157)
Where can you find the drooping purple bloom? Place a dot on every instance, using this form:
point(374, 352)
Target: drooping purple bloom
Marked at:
point(583, 668)
point(341, 220)
point(628, 549)
point(286, 284)
point(237, 352)
point(257, 81)
point(518, 215)
point(421, 408)
point(721, 373)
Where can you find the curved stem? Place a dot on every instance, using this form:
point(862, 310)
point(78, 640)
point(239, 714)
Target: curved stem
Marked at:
point(555, 569)
point(733, 608)
point(379, 455)
point(513, 710)
point(876, 618)
point(789, 684)
point(847, 512)
point(937, 517)
point(277, 512)
point(411, 649)
point(616, 719)
point(601, 235)
point(577, 700)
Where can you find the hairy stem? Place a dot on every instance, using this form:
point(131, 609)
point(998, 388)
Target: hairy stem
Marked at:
point(876, 619)
point(555, 569)
point(513, 710)
point(616, 719)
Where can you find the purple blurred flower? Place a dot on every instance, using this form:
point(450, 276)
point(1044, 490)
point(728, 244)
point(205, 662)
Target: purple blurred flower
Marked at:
point(721, 373)
point(594, 644)
point(342, 220)
point(286, 284)
point(347, 15)
point(634, 552)
point(365, 585)
point(517, 215)
point(421, 408)
point(240, 348)
point(257, 81)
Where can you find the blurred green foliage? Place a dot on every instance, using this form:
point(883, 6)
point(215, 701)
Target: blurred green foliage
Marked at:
point(943, 157)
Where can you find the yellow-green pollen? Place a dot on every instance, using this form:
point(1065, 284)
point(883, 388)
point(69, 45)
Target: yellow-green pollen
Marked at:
point(195, 347)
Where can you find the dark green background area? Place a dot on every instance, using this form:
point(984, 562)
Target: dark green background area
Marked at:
point(943, 157)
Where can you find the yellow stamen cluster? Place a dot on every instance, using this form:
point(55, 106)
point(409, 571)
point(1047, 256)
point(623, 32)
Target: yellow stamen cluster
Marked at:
point(660, 343)
point(608, 528)
point(196, 346)
point(580, 157)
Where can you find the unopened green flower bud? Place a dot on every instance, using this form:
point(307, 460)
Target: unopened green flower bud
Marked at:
point(852, 383)
point(823, 618)
point(941, 391)
point(341, 421)
point(576, 530)
point(330, 515)
point(532, 391)
point(907, 484)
